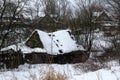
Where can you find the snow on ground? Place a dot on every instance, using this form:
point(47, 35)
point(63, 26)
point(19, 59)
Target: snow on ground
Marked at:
point(37, 72)
point(102, 74)
point(100, 43)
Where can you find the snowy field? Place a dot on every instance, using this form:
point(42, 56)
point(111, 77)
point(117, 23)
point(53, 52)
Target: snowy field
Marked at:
point(39, 71)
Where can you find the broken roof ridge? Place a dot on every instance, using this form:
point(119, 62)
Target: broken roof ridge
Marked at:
point(58, 42)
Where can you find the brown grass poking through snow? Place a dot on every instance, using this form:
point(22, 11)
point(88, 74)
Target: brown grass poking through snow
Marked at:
point(52, 75)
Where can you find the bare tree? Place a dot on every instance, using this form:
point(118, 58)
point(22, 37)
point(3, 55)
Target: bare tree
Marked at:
point(115, 7)
point(84, 15)
point(58, 9)
point(49, 6)
point(33, 8)
point(10, 10)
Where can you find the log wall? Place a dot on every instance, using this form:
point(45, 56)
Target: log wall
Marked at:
point(14, 59)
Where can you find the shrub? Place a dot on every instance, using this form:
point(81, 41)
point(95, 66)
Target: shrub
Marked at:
point(52, 75)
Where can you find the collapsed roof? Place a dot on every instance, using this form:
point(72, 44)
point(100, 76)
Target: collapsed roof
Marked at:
point(58, 42)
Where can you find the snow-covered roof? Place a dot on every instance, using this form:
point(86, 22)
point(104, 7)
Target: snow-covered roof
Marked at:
point(97, 14)
point(58, 42)
point(23, 48)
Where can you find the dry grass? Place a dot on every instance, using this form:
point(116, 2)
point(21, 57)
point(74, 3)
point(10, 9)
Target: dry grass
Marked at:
point(52, 75)
point(91, 65)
